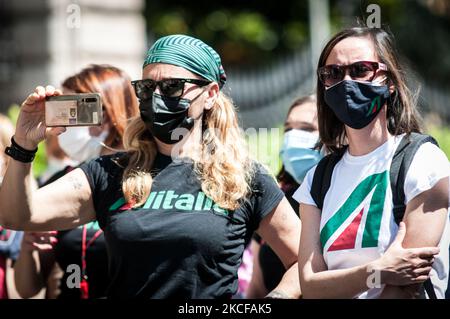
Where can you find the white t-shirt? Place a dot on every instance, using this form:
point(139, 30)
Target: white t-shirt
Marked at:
point(357, 223)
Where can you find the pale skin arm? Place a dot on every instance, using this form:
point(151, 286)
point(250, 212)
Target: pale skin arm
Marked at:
point(429, 208)
point(397, 265)
point(35, 262)
point(37, 276)
point(316, 281)
point(28, 278)
point(281, 230)
point(10, 285)
point(63, 204)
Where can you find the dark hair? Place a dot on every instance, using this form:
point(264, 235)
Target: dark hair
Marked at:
point(300, 101)
point(402, 115)
point(118, 98)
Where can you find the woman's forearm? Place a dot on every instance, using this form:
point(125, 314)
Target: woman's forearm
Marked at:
point(16, 195)
point(289, 286)
point(341, 283)
point(28, 274)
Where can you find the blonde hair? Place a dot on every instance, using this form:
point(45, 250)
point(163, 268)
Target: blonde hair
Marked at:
point(225, 169)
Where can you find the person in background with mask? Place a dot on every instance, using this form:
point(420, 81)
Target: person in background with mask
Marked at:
point(45, 254)
point(299, 154)
point(57, 160)
point(9, 239)
point(179, 206)
point(353, 247)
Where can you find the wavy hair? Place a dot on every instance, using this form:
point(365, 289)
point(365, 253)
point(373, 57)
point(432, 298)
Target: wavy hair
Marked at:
point(224, 167)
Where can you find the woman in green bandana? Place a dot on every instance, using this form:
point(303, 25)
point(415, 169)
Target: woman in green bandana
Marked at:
point(178, 207)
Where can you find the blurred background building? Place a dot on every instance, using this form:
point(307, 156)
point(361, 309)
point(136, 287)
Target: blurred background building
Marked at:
point(44, 41)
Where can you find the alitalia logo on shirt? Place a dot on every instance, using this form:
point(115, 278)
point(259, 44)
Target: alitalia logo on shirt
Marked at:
point(356, 224)
point(169, 200)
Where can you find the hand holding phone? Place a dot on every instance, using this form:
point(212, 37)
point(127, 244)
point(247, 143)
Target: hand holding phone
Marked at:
point(30, 125)
point(83, 109)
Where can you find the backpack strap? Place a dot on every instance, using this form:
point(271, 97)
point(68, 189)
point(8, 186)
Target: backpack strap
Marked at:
point(403, 156)
point(322, 176)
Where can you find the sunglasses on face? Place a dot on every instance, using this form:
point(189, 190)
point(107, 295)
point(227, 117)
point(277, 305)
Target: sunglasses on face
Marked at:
point(331, 74)
point(173, 88)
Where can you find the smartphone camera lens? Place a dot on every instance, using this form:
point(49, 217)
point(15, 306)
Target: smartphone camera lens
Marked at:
point(91, 99)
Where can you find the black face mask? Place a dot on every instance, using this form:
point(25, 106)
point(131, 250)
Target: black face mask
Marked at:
point(355, 103)
point(163, 115)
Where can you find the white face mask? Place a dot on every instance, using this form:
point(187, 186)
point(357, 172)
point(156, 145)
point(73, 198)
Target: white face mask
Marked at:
point(79, 145)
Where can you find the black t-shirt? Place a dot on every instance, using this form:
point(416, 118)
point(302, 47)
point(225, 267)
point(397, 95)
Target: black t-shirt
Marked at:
point(68, 252)
point(179, 244)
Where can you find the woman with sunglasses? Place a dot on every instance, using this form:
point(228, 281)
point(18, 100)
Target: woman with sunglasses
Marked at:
point(353, 248)
point(178, 207)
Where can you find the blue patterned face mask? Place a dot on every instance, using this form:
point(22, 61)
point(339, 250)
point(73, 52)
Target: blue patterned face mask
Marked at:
point(356, 103)
point(297, 154)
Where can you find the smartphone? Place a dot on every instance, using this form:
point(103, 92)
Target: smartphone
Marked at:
point(82, 109)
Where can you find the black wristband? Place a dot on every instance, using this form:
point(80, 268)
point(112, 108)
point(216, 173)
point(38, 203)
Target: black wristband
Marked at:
point(20, 148)
point(19, 153)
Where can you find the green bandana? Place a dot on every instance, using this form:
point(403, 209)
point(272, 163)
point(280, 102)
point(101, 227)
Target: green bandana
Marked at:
point(189, 53)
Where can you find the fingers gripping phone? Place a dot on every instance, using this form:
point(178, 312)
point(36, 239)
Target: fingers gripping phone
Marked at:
point(83, 109)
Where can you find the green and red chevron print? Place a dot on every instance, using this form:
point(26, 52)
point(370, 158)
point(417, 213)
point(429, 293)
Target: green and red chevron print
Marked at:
point(374, 106)
point(364, 205)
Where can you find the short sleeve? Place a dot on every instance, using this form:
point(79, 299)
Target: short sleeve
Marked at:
point(429, 165)
point(303, 193)
point(266, 195)
point(91, 170)
point(104, 179)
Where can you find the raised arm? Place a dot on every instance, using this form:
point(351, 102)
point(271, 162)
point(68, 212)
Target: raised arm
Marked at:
point(64, 204)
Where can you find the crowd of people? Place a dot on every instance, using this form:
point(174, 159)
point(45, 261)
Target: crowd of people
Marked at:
point(163, 200)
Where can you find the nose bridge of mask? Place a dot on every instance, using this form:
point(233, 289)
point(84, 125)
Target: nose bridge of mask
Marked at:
point(300, 139)
point(162, 104)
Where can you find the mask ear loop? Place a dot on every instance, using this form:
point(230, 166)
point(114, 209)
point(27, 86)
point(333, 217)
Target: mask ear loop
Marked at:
point(188, 123)
point(111, 148)
point(392, 103)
